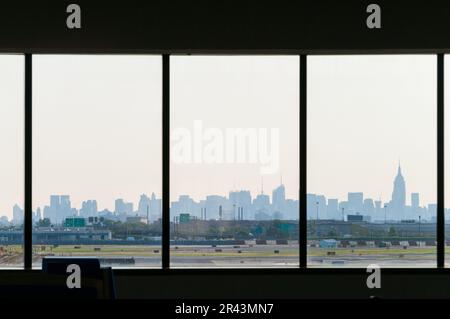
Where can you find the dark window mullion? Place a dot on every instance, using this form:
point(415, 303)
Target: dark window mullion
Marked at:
point(28, 210)
point(303, 167)
point(166, 162)
point(440, 218)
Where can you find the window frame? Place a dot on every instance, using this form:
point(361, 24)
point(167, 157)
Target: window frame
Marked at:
point(440, 217)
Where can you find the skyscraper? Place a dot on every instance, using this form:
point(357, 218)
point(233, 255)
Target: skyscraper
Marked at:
point(332, 209)
point(89, 208)
point(415, 200)
point(355, 202)
point(279, 196)
point(241, 202)
point(17, 215)
point(397, 204)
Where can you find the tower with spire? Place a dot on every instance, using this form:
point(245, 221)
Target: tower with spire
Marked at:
point(398, 200)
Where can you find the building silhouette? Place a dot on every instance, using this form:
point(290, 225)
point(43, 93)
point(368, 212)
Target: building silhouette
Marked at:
point(398, 200)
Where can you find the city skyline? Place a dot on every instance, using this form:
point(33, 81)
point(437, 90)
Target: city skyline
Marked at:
point(243, 204)
point(367, 113)
point(86, 144)
point(97, 127)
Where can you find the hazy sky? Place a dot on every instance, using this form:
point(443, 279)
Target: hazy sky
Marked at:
point(447, 130)
point(96, 127)
point(236, 92)
point(11, 132)
point(365, 113)
point(97, 124)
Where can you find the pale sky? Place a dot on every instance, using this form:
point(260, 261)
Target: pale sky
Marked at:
point(97, 124)
point(11, 132)
point(96, 127)
point(236, 92)
point(367, 113)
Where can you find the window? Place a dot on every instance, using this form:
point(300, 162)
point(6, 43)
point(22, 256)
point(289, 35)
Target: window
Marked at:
point(234, 161)
point(97, 124)
point(372, 161)
point(234, 166)
point(12, 158)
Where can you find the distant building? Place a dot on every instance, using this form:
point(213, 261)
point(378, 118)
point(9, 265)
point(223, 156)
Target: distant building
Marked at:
point(358, 218)
point(279, 201)
point(355, 202)
point(397, 203)
point(415, 203)
point(59, 209)
point(241, 202)
point(89, 208)
point(328, 243)
point(4, 221)
point(123, 208)
point(333, 209)
point(150, 208)
point(368, 207)
point(17, 215)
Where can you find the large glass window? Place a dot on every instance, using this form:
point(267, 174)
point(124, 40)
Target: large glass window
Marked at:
point(97, 158)
point(372, 161)
point(234, 161)
point(12, 159)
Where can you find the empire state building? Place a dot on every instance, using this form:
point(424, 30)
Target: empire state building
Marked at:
point(397, 204)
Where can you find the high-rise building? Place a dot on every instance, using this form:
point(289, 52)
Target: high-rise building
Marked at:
point(144, 206)
point(65, 202)
point(262, 201)
point(59, 209)
point(378, 210)
point(152, 207)
point(397, 204)
point(333, 209)
point(279, 198)
point(241, 202)
point(38, 214)
point(55, 201)
point(415, 200)
point(311, 206)
point(369, 207)
point(17, 215)
point(321, 203)
point(355, 202)
point(123, 208)
point(89, 208)
point(217, 207)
